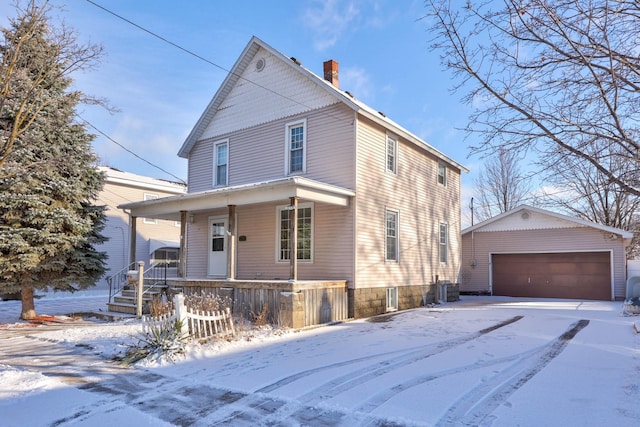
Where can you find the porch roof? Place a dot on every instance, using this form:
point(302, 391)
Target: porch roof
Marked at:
point(246, 194)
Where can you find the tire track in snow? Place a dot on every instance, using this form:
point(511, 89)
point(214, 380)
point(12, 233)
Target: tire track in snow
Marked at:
point(370, 372)
point(360, 376)
point(481, 401)
point(415, 354)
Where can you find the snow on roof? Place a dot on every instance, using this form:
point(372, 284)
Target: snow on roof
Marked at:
point(114, 175)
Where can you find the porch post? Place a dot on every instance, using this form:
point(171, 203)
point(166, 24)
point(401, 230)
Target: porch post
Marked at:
point(231, 258)
point(182, 261)
point(293, 239)
point(132, 238)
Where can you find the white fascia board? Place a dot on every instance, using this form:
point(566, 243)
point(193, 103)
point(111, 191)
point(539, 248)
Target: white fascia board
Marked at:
point(262, 192)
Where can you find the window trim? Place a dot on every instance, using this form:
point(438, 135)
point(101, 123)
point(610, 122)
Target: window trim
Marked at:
point(215, 163)
point(394, 168)
point(397, 236)
point(279, 209)
point(392, 295)
point(442, 167)
point(287, 147)
point(443, 247)
point(150, 196)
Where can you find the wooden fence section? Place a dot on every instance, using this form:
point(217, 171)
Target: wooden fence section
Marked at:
point(205, 324)
point(196, 323)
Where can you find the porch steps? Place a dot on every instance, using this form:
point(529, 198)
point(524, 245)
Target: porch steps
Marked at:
point(126, 302)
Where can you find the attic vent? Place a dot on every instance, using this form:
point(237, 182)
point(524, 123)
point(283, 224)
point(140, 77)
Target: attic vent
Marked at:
point(525, 215)
point(260, 64)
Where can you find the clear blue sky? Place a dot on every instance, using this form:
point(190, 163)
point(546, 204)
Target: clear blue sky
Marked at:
point(382, 47)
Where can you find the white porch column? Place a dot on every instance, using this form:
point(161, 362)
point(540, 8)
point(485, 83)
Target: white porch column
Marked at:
point(231, 233)
point(293, 239)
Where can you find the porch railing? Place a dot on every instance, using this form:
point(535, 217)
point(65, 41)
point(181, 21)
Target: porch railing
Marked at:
point(155, 275)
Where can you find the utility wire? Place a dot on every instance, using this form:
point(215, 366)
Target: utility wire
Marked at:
point(128, 150)
point(190, 52)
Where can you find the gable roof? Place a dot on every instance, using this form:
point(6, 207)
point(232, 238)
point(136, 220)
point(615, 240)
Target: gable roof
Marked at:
point(559, 218)
point(344, 97)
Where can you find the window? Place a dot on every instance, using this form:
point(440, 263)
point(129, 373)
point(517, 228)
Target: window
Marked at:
point(392, 299)
point(391, 232)
point(168, 257)
point(221, 160)
point(305, 232)
point(442, 174)
point(296, 146)
point(392, 154)
point(443, 247)
point(150, 197)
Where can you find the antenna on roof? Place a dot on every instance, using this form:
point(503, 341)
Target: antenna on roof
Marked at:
point(295, 60)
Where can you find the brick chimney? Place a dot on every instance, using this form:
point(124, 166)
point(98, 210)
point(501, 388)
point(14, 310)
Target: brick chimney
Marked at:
point(331, 72)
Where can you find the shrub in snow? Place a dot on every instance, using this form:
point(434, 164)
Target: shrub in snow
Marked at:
point(163, 339)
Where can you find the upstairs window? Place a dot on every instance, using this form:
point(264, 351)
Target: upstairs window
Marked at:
point(443, 246)
point(442, 174)
point(221, 161)
point(296, 147)
point(148, 196)
point(392, 154)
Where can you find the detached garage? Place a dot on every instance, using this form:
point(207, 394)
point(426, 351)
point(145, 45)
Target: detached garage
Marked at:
point(531, 252)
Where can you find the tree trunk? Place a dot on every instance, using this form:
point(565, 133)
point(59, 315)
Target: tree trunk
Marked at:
point(28, 307)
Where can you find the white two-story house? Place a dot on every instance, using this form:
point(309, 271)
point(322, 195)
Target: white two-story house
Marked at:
point(305, 199)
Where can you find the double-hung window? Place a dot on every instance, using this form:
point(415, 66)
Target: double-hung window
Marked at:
point(304, 234)
point(391, 235)
point(221, 163)
point(148, 196)
point(442, 174)
point(443, 243)
point(392, 154)
point(296, 156)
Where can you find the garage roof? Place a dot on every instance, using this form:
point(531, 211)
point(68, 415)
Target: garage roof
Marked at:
point(529, 217)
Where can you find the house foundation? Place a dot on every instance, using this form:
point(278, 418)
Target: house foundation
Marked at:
point(367, 302)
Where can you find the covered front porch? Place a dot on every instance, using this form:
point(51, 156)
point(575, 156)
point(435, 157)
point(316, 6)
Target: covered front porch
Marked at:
point(247, 243)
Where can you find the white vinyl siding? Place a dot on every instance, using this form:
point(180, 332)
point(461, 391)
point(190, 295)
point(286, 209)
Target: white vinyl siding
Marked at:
point(221, 163)
point(329, 158)
point(296, 147)
point(305, 233)
point(392, 227)
point(423, 204)
point(148, 196)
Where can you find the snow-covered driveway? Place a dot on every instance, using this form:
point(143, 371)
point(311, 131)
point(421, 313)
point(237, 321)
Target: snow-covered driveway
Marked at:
point(481, 361)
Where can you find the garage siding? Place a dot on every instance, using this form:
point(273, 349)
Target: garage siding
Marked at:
point(478, 246)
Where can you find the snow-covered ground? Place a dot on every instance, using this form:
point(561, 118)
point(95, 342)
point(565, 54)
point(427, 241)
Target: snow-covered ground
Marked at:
point(480, 361)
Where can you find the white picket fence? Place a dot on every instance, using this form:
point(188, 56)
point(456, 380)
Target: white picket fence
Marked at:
point(200, 324)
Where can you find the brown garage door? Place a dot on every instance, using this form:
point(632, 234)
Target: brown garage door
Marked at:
point(578, 275)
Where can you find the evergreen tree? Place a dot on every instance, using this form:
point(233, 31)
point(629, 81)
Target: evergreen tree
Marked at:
point(49, 179)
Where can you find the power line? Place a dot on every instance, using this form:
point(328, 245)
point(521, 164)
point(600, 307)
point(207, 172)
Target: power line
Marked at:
point(128, 150)
point(190, 52)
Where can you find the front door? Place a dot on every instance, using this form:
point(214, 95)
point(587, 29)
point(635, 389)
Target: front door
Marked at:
point(218, 246)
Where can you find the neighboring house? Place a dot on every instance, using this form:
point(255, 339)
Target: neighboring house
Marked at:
point(377, 208)
point(157, 240)
point(531, 252)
